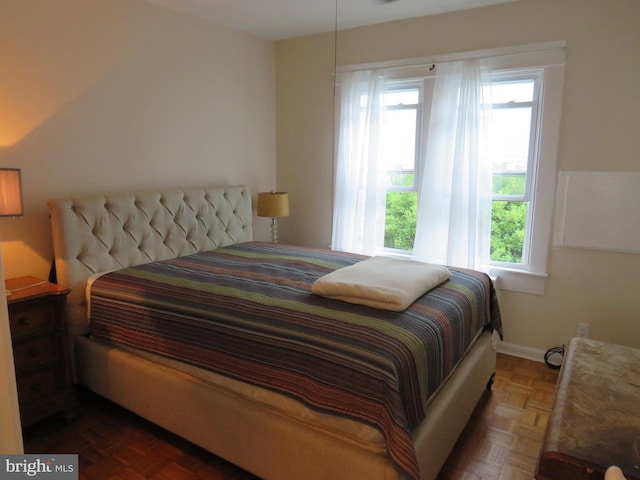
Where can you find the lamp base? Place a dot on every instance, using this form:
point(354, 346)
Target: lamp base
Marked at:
point(274, 229)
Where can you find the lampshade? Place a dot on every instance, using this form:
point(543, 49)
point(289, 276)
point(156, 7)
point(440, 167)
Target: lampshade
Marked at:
point(273, 204)
point(10, 193)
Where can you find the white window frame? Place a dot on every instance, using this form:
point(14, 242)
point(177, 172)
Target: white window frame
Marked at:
point(550, 58)
point(531, 278)
point(532, 159)
point(418, 84)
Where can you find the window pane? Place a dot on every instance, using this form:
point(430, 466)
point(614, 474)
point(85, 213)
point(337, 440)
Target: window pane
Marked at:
point(509, 184)
point(400, 221)
point(509, 139)
point(401, 97)
point(394, 98)
point(512, 92)
point(508, 220)
point(398, 141)
point(401, 179)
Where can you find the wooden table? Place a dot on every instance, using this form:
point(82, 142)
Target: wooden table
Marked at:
point(40, 349)
point(595, 418)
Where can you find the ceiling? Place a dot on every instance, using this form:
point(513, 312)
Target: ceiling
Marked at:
point(279, 19)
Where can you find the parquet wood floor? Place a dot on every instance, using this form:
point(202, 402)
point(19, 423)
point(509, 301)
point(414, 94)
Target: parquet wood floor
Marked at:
point(501, 441)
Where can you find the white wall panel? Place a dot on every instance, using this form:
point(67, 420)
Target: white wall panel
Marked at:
point(598, 210)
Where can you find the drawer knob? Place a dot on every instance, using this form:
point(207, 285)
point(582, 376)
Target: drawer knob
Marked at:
point(34, 352)
point(24, 320)
point(36, 387)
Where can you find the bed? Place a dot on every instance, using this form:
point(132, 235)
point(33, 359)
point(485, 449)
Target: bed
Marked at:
point(322, 389)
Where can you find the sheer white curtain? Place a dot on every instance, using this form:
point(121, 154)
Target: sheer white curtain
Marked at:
point(454, 211)
point(359, 196)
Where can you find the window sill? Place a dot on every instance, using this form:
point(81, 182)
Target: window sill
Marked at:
point(511, 279)
point(518, 280)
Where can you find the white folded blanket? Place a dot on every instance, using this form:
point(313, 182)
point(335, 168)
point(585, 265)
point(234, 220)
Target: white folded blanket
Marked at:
point(381, 282)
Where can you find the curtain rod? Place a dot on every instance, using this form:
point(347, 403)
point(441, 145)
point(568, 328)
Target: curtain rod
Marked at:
point(558, 47)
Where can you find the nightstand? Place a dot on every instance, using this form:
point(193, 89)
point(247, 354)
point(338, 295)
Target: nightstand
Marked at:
point(40, 348)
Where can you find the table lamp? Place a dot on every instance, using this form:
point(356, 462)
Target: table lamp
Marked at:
point(10, 193)
point(273, 204)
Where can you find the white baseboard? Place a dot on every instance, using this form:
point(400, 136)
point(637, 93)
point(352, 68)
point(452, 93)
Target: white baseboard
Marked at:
point(523, 352)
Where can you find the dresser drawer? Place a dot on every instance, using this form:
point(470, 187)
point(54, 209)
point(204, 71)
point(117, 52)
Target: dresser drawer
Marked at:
point(40, 348)
point(27, 319)
point(38, 384)
point(34, 352)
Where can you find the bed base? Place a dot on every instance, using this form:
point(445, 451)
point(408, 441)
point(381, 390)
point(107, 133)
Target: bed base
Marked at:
point(260, 439)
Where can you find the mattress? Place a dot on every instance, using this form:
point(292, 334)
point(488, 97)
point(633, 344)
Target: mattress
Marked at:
point(246, 312)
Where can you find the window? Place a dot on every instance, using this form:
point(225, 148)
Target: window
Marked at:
point(512, 140)
point(521, 149)
point(398, 149)
point(513, 133)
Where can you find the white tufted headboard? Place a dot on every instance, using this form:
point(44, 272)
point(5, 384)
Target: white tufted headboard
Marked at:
point(108, 232)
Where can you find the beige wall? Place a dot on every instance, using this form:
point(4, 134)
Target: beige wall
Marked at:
point(599, 131)
point(113, 95)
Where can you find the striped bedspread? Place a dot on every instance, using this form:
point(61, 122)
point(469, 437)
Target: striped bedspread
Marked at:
point(247, 311)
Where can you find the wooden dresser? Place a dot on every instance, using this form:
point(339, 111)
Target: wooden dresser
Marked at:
point(40, 348)
point(595, 418)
